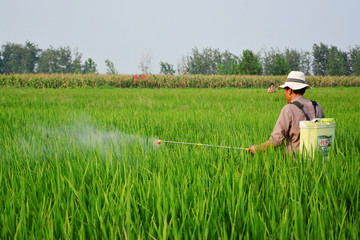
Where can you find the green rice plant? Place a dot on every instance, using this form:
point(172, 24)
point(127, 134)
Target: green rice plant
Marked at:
point(82, 163)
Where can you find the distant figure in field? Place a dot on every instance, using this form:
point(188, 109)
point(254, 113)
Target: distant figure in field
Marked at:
point(186, 70)
point(298, 109)
point(271, 89)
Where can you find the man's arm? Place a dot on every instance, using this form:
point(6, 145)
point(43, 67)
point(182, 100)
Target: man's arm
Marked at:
point(262, 147)
point(281, 129)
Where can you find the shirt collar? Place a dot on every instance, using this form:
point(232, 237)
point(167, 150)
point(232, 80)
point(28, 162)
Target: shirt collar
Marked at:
point(298, 98)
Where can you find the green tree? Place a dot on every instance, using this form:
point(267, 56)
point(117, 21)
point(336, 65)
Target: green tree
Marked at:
point(166, 68)
point(76, 64)
point(10, 60)
point(229, 63)
point(30, 57)
point(275, 63)
point(48, 61)
point(280, 66)
point(110, 67)
point(65, 60)
point(320, 59)
point(354, 55)
point(55, 60)
point(338, 63)
point(89, 66)
point(249, 64)
point(298, 60)
point(305, 62)
point(1, 64)
point(222, 69)
point(205, 62)
point(293, 58)
point(17, 58)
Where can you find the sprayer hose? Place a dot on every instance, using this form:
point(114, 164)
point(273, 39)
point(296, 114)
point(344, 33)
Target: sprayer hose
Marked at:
point(206, 145)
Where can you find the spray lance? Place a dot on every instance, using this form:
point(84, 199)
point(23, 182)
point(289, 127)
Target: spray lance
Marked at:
point(158, 142)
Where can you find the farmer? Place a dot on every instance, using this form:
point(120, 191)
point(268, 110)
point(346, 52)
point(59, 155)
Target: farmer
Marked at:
point(299, 109)
point(271, 89)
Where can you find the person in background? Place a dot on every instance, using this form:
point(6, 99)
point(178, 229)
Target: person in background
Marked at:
point(298, 109)
point(271, 89)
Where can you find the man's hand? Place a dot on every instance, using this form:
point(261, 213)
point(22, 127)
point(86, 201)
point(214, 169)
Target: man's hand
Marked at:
point(252, 149)
point(262, 147)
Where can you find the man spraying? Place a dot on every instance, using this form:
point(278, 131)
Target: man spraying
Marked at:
point(298, 109)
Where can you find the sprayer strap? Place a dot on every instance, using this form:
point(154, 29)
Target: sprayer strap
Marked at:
point(301, 107)
point(314, 103)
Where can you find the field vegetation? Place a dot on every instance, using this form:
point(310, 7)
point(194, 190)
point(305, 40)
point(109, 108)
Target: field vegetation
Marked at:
point(82, 163)
point(163, 81)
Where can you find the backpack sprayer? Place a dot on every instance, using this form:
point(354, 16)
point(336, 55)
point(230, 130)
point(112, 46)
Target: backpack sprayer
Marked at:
point(158, 142)
point(317, 134)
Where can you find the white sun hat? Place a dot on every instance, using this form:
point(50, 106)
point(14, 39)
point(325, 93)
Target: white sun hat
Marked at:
point(295, 81)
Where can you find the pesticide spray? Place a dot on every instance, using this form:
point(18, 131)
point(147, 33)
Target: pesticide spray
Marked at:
point(84, 137)
point(81, 137)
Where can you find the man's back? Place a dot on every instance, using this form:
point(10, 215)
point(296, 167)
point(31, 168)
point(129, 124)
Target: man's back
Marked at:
point(287, 126)
point(299, 109)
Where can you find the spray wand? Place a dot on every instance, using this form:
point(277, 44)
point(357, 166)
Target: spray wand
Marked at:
point(158, 142)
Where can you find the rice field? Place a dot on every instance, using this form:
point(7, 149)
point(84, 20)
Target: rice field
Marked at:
point(82, 163)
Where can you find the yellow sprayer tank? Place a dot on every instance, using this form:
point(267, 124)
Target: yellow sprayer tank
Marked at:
point(317, 134)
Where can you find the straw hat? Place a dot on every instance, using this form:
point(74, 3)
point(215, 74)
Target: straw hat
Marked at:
point(295, 81)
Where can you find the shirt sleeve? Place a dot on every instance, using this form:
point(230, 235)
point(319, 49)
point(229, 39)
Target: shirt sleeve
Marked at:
point(321, 111)
point(282, 127)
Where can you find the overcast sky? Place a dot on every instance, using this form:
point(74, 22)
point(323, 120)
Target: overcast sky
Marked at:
point(122, 31)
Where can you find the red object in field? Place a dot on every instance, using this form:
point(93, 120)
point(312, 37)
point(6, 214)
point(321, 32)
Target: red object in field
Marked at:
point(140, 77)
point(158, 142)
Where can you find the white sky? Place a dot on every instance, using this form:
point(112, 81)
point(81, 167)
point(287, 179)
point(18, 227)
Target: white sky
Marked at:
point(123, 30)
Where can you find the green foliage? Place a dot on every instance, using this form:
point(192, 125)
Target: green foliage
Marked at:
point(298, 60)
point(222, 70)
point(46, 62)
point(232, 69)
point(205, 62)
point(31, 57)
point(249, 64)
point(355, 60)
point(230, 63)
point(275, 63)
point(76, 64)
point(28, 58)
point(320, 62)
point(163, 81)
point(337, 63)
point(89, 66)
point(81, 164)
point(56, 60)
point(166, 68)
point(110, 67)
point(18, 58)
point(293, 58)
point(280, 66)
point(1, 64)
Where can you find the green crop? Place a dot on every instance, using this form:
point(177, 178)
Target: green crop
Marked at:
point(163, 81)
point(81, 163)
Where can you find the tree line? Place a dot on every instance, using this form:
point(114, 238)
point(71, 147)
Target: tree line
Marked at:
point(323, 60)
point(29, 58)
